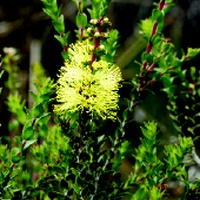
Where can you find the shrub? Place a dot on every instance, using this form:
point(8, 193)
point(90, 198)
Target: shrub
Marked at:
point(61, 147)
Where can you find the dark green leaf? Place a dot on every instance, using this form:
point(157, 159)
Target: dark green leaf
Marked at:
point(56, 169)
point(38, 111)
point(59, 25)
point(28, 133)
point(35, 97)
point(16, 159)
point(157, 15)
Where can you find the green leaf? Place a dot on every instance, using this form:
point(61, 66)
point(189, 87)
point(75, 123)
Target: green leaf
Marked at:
point(28, 112)
point(45, 98)
point(147, 57)
point(59, 25)
point(47, 11)
point(38, 111)
point(81, 20)
point(99, 8)
point(60, 39)
point(83, 2)
point(100, 138)
point(192, 52)
point(125, 114)
point(155, 193)
point(166, 81)
point(18, 141)
point(150, 130)
point(43, 116)
point(16, 155)
point(117, 162)
point(146, 27)
point(65, 55)
point(76, 188)
point(15, 151)
point(169, 90)
point(58, 13)
point(56, 169)
point(16, 159)
point(157, 16)
point(75, 2)
point(29, 143)
point(168, 7)
point(28, 133)
point(192, 71)
point(35, 97)
point(141, 193)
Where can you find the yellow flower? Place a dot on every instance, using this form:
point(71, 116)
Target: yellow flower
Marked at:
point(80, 88)
point(79, 53)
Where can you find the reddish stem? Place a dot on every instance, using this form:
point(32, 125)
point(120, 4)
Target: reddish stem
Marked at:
point(151, 67)
point(150, 166)
point(65, 48)
point(96, 43)
point(161, 5)
point(23, 143)
point(154, 29)
point(162, 73)
point(149, 48)
point(144, 66)
point(165, 180)
point(101, 21)
point(99, 29)
point(187, 57)
point(152, 81)
point(18, 154)
point(96, 46)
point(12, 165)
point(93, 58)
point(81, 31)
point(170, 68)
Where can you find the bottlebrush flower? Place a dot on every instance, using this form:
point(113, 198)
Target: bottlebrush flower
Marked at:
point(91, 88)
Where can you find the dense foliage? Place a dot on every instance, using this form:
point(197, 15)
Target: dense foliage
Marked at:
point(61, 147)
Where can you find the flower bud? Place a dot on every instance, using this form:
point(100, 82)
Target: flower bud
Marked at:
point(102, 47)
point(94, 21)
point(97, 34)
point(90, 48)
point(89, 30)
point(105, 20)
point(105, 35)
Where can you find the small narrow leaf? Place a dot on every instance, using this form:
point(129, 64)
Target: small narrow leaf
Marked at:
point(38, 111)
point(28, 133)
point(16, 159)
point(81, 20)
point(29, 143)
